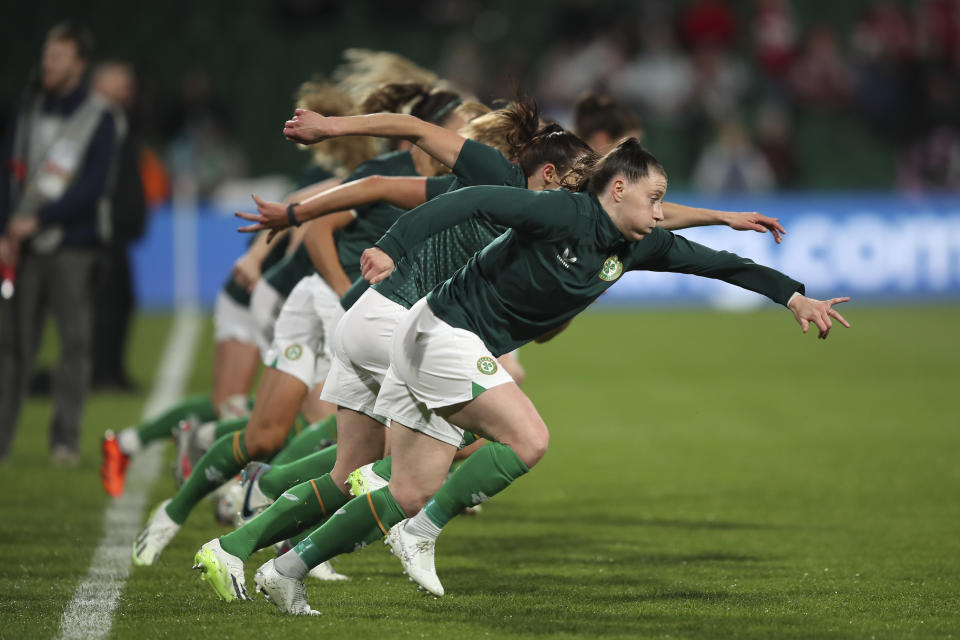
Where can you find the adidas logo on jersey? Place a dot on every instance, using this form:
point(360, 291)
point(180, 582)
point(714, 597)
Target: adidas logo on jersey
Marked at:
point(567, 259)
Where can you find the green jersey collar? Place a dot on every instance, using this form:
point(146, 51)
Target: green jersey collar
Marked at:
point(607, 232)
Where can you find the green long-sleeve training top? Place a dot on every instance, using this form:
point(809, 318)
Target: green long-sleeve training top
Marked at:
point(561, 253)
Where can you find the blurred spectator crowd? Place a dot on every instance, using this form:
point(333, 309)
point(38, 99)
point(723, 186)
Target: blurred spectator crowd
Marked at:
point(737, 83)
point(733, 95)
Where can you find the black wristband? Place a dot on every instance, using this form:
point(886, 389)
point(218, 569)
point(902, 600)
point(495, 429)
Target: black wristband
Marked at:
point(291, 216)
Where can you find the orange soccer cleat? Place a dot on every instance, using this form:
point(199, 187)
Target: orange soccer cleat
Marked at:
point(113, 469)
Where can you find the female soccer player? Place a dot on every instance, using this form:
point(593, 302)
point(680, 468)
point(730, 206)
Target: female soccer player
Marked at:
point(563, 250)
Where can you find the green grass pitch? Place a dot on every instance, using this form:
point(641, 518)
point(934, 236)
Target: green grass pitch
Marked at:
point(710, 475)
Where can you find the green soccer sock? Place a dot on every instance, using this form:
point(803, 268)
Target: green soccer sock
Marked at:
point(158, 428)
point(230, 425)
point(299, 425)
point(312, 438)
point(382, 467)
point(490, 470)
point(363, 519)
point(297, 539)
point(225, 459)
point(279, 478)
point(299, 508)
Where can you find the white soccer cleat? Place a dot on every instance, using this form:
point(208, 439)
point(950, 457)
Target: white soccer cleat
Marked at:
point(235, 406)
point(416, 556)
point(289, 595)
point(364, 480)
point(221, 570)
point(252, 501)
point(155, 536)
point(229, 502)
point(325, 571)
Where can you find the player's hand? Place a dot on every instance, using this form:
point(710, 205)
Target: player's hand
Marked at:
point(819, 312)
point(271, 216)
point(753, 221)
point(246, 271)
point(308, 127)
point(375, 265)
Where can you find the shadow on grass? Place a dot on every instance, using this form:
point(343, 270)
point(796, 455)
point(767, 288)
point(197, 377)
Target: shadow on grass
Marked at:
point(560, 517)
point(538, 607)
point(578, 548)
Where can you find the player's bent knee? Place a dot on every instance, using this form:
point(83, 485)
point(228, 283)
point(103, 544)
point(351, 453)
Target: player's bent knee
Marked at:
point(531, 445)
point(534, 451)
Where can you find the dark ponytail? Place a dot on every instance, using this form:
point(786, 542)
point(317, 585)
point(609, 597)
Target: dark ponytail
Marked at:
point(416, 99)
point(534, 143)
point(628, 159)
point(558, 147)
point(595, 113)
point(523, 118)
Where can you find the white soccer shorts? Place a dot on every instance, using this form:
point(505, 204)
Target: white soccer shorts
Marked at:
point(301, 342)
point(233, 321)
point(361, 353)
point(434, 365)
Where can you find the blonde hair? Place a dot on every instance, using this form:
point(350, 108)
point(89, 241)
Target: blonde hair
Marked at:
point(365, 71)
point(338, 155)
point(472, 109)
point(505, 129)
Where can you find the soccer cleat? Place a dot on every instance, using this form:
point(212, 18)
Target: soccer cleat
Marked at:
point(155, 536)
point(416, 556)
point(289, 595)
point(113, 468)
point(183, 464)
point(222, 571)
point(229, 500)
point(252, 500)
point(364, 480)
point(235, 406)
point(325, 571)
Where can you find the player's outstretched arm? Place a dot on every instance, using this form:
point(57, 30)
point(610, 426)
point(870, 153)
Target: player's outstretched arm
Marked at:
point(678, 216)
point(819, 312)
point(309, 127)
point(403, 192)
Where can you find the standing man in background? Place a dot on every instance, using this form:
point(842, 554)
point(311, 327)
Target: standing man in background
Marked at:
point(121, 223)
point(56, 164)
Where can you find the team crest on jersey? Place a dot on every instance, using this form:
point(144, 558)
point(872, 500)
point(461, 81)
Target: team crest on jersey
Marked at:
point(293, 352)
point(487, 365)
point(612, 269)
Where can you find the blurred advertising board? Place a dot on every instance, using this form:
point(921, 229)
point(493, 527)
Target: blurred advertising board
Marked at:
point(877, 248)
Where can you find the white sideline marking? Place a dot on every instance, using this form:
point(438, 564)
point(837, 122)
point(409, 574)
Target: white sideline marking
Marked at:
point(90, 613)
